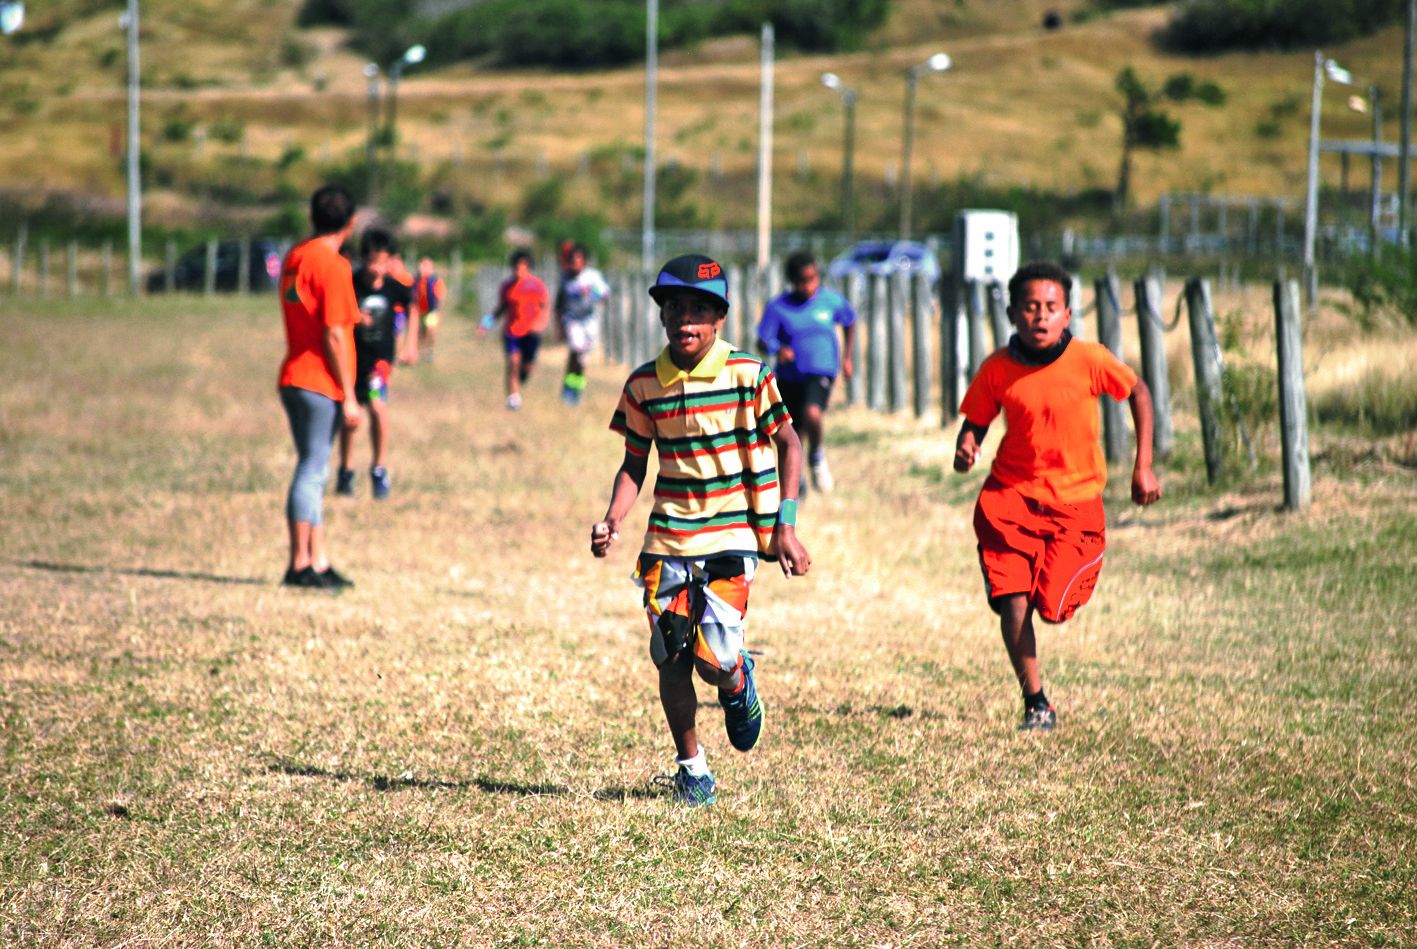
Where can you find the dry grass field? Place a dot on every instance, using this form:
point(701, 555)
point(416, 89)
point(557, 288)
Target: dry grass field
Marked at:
point(460, 749)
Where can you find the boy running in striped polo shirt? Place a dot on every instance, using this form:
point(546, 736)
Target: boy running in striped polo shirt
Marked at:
point(727, 453)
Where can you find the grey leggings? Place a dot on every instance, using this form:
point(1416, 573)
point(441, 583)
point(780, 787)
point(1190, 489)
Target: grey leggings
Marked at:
point(314, 421)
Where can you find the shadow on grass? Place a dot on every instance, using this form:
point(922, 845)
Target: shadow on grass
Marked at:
point(380, 782)
point(140, 572)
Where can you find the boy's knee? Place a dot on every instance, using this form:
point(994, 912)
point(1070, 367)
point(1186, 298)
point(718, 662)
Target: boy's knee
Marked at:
point(712, 674)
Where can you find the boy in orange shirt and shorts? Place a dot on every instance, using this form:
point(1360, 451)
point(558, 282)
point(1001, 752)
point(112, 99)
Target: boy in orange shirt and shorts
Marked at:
point(526, 303)
point(1039, 519)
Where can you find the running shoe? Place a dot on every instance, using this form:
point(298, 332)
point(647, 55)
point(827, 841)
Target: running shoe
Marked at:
point(304, 577)
point(380, 478)
point(1039, 720)
point(332, 579)
point(514, 401)
point(689, 790)
point(742, 712)
point(344, 483)
point(822, 478)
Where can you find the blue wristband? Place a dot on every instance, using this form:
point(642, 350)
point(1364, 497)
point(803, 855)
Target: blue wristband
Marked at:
point(787, 512)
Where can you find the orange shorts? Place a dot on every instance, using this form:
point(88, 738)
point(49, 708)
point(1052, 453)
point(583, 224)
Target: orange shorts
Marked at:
point(1051, 553)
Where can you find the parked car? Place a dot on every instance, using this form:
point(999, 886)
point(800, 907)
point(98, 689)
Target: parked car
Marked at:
point(190, 270)
point(886, 257)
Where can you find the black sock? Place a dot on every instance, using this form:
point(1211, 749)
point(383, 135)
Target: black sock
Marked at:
point(1035, 701)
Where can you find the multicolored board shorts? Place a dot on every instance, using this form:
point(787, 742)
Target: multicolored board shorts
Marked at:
point(696, 604)
point(581, 335)
point(373, 386)
point(1051, 553)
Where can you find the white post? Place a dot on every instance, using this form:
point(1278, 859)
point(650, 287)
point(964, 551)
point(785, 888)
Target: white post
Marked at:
point(765, 107)
point(651, 83)
point(135, 195)
point(1311, 195)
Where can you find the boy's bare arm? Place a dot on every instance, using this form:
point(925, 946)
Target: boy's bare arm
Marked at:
point(626, 488)
point(791, 555)
point(1145, 488)
point(971, 436)
point(343, 372)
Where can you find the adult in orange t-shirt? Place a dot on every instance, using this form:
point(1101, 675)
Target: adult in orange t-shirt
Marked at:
point(317, 376)
point(1039, 519)
point(526, 304)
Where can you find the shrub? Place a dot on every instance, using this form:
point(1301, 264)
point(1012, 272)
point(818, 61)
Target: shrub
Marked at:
point(1208, 26)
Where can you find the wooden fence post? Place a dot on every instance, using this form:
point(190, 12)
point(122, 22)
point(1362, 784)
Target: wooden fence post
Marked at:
point(998, 315)
point(951, 352)
point(1078, 324)
point(1293, 410)
point(921, 312)
point(105, 285)
point(1205, 353)
point(856, 297)
point(743, 316)
point(612, 318)
point(1109, 334)
point(897, 295)
point(209, 269)
point(169, 266)
point(17, 271)
point(876, 343)
point(43, 264)
point(454, 288)
point(1153, 360)
point(71, 255)
point(978, 348)
point(243, 267)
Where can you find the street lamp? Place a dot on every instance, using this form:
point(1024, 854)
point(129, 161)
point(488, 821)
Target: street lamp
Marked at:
point(936, 63)
point(848, 148)
point(412, 56)
point(371, 155)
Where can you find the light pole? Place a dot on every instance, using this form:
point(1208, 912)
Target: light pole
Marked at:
point(130, 23)
point(371, 147)
point(651, 86)
point(936, 63)
point(411, 57)
point(1323, 66)
point(848, 150)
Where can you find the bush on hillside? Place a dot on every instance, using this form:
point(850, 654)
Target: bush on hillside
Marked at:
point(1208, 26)
point(588, 33)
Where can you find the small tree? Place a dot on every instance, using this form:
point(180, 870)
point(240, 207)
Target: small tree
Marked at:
point(1146, 125)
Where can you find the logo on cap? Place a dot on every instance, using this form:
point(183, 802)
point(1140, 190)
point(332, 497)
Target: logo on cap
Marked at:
point(709, 270)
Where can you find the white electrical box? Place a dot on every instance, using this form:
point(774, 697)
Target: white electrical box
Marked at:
point(986, 245)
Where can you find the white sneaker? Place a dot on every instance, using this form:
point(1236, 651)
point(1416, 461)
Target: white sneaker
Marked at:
point(822, 476)
point(514, 401)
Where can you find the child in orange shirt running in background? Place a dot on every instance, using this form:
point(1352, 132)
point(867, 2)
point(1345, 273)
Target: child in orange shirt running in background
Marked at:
point(1039, 519)
point(524, 300)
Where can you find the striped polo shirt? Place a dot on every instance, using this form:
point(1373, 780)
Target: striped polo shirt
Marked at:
point(716, 491)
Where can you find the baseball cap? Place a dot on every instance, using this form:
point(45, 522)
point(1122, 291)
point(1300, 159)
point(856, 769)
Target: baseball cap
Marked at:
point(692, 272)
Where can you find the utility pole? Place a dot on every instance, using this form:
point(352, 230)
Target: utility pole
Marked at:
point(1404, 147)
point(1311, 194)
point(651, 82)
point(765, 107)
point(135, 184)
point(1375, 177)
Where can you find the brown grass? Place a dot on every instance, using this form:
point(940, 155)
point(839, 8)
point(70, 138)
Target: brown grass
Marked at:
point(459, 749)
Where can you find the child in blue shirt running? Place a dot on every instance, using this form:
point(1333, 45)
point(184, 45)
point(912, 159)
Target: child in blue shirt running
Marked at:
point(799, 328)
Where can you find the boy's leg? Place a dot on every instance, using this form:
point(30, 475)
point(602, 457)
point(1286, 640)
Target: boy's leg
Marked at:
point(378, 430)
point(514, 372)
point(1016, 624)
point(681, 703)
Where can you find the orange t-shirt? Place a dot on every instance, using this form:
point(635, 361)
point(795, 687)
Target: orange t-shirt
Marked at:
point(1051, 450)
point(316, 291)
point(528, 301)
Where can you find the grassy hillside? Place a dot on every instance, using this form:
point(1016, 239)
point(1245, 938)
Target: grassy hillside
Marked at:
point(243, 110)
